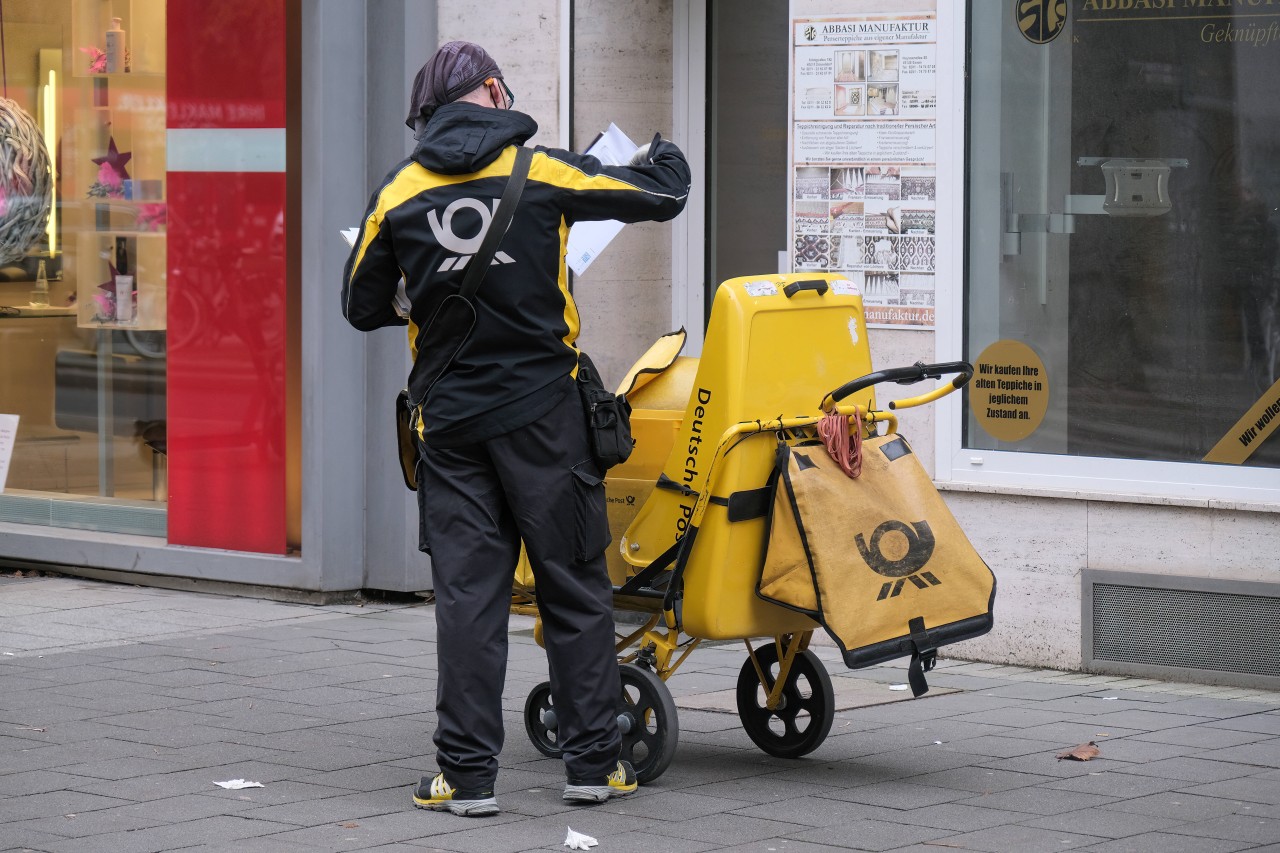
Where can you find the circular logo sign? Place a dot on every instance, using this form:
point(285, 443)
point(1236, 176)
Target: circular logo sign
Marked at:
point(1041, 21)
point(1009, 393)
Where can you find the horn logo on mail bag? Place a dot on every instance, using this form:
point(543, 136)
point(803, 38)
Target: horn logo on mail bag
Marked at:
point(857, 554)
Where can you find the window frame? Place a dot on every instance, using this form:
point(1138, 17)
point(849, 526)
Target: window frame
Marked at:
point(689, 129)
point(967, 468)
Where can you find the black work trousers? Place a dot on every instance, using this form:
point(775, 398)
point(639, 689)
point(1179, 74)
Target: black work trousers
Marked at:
point(537, 483)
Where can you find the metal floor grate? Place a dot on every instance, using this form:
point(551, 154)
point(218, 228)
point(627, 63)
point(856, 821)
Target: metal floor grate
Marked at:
point(1224, 632)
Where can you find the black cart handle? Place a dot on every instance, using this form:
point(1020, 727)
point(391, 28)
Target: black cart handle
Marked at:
point(807, 284)
point(917, 372)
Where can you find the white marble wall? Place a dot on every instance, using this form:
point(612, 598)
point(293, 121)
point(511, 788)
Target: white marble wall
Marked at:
point(902, 348)
point(524, 39)
point(1038, 547)
point(623, 74)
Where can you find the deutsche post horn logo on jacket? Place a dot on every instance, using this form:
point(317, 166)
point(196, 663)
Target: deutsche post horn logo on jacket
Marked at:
point(466, 247)
point(920, 544)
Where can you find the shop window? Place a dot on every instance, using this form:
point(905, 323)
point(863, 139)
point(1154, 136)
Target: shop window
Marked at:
point(83, 302)
point(746, 140)
point(1123, 251)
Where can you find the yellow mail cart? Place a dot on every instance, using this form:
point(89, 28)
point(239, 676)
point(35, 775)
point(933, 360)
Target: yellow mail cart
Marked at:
point(689, 509)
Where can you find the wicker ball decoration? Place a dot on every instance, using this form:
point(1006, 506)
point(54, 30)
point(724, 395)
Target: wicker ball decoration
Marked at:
point(26, 190)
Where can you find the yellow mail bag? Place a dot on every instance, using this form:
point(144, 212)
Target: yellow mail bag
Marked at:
point(878, 561)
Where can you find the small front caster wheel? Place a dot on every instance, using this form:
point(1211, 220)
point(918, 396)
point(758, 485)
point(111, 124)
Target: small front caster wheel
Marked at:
point(647, 718)
point(540, 721)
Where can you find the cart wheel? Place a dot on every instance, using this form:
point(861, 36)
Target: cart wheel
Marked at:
point(647, 718)
point(802, 720)
point(540, 720)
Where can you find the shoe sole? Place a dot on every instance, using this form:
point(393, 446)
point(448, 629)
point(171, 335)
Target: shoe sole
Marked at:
point(594, 793)
point(462, 808)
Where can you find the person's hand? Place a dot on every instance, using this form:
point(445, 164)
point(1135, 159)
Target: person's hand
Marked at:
point(642, 154)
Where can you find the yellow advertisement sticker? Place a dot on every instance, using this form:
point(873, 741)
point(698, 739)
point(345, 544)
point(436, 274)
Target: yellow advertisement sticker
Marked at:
point(1250, 431)
point(1010, 390)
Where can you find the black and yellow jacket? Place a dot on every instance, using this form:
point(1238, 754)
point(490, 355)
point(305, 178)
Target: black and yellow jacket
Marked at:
point(427, 219)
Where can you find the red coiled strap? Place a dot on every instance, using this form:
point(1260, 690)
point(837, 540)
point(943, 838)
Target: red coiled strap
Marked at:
point(834, 430)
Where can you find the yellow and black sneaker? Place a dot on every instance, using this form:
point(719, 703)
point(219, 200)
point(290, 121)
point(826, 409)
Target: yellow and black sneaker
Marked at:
point(438, 795)
point(619, 783)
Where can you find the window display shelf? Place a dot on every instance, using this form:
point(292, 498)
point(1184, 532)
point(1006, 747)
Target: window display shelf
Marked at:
point(119, 217)
point(110, 326)
point(138, 46)
point(130, 202)
point(145, 260)
point(119, 75)
point(118, 123)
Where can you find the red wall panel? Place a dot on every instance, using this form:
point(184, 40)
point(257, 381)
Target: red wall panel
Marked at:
point(226, 63)
point(226, 281)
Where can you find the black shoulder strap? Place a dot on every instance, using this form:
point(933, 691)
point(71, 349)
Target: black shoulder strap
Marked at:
point(480, 261)
point(479, 264)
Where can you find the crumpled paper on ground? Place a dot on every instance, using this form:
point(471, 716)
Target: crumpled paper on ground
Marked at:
point(578, 841)
point(237, 784)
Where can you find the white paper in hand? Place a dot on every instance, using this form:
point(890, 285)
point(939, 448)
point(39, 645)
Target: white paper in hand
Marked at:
point(613, 148)
point(578, 841)
point(402, 303)
point(588, 239)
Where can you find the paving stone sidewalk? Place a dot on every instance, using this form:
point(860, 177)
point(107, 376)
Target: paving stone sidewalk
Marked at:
point(121, 706)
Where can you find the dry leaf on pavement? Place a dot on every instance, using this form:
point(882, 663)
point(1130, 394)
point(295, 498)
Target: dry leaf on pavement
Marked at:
point(1083, 752)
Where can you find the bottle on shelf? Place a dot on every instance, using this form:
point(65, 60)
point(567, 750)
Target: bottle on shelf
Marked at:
point(115, 47)
point(40, 295)
point(124, 283)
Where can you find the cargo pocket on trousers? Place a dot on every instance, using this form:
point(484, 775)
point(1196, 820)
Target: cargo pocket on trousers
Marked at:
point(591, 521)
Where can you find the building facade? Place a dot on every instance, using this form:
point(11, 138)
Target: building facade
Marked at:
point(1075, 195)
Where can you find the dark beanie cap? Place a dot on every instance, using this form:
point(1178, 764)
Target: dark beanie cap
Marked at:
point(455, 69)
